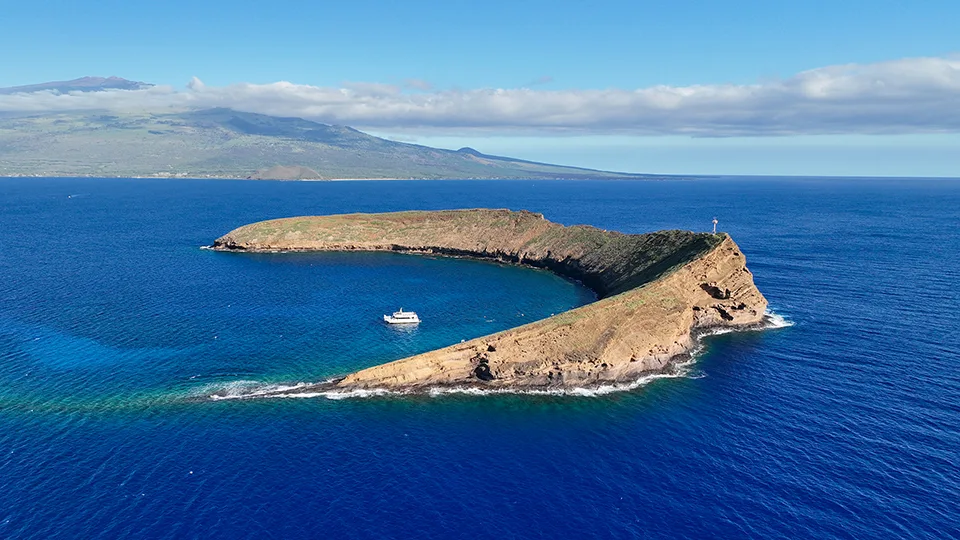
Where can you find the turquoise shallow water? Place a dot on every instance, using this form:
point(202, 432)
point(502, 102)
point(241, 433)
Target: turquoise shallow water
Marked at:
point(112, 319)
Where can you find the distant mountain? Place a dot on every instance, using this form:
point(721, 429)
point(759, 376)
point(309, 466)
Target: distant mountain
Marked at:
point(83, 84)
point(286, 173)
point(224, 143)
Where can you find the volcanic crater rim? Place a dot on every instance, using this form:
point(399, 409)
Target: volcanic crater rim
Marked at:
point(656, 292)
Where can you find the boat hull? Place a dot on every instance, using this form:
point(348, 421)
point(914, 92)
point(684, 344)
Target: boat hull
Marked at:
point(390, 320)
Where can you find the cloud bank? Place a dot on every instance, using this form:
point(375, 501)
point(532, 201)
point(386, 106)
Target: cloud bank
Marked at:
point(916, 95)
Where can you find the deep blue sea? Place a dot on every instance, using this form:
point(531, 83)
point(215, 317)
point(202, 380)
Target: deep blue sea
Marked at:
point(115, 327)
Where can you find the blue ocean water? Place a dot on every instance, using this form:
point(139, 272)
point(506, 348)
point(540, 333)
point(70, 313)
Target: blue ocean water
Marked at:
point(114, 325)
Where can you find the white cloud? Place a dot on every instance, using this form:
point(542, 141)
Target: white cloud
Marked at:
point(917, 95)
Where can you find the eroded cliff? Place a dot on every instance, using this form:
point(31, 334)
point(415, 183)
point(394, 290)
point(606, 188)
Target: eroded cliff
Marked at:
point(656, 291)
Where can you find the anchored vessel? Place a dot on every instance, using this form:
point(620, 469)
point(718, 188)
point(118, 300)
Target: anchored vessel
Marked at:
point(402, 317)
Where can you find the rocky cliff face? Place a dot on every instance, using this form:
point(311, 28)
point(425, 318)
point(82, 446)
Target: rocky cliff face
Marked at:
point(656, 292)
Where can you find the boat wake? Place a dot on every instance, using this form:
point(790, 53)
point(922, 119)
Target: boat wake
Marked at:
point(684, 368)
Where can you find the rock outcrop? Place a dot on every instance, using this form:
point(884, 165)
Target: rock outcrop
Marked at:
point(656, 292)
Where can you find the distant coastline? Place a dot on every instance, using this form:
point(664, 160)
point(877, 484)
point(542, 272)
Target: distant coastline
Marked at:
point(195, 177)
point(224, 143)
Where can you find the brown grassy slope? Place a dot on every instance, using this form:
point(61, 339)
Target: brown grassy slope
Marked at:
point(608, 262)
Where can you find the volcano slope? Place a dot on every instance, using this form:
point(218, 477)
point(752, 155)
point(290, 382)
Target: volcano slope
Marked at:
point(657, 293)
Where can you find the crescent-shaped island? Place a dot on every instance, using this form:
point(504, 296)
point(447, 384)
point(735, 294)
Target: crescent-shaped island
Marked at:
point(657, 293)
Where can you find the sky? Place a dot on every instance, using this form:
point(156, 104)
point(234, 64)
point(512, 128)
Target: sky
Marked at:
point(694, 87)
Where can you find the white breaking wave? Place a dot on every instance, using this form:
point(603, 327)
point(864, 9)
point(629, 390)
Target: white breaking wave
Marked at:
point(225, 390)
point(255, 390)
point(359, 393)
point(773, 320)
point(244, 389)
point(277, 391)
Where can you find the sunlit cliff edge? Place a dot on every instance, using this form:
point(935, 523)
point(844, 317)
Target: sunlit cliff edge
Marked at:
point(656, 291)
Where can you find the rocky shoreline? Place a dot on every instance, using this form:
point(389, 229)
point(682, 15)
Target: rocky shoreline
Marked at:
point(656, 293)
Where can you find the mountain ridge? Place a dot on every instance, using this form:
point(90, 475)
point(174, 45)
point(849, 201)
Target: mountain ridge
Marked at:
point(82, 84)
point(226, 143)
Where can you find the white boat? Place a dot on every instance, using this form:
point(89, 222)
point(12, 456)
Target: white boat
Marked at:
point(402, 317)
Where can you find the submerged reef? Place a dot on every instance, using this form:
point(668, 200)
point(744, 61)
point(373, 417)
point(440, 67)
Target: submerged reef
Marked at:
point(656, 293)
